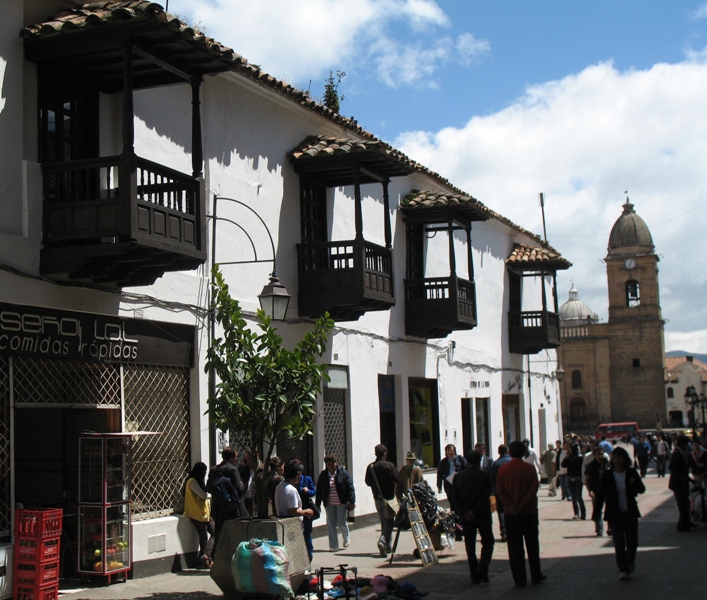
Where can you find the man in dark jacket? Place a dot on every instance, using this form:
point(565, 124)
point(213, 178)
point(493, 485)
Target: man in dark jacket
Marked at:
point(451, 464)
point(226, 468)
point(471, 490)
point(381, 477)
point(679, 482)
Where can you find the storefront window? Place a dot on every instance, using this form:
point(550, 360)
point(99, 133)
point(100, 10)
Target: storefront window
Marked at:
point(424, 420)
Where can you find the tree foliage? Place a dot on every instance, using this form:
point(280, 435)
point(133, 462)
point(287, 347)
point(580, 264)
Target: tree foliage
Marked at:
point(264, 390)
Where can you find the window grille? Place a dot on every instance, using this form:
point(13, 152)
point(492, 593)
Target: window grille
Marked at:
point(334, 412)
point(157, 399)
point(56, 382)
point(5, 510)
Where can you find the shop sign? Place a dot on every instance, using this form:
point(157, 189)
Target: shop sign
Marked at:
point(61, 334)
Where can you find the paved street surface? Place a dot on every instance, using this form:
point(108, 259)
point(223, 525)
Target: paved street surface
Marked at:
point(578, 564)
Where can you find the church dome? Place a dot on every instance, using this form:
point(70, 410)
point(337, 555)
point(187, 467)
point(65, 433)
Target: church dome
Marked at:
point(575, 312)
point(630, 233)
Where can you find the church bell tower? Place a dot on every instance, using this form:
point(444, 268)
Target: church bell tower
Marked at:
point(636, 341)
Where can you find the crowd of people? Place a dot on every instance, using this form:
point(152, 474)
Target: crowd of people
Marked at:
point(475, 485)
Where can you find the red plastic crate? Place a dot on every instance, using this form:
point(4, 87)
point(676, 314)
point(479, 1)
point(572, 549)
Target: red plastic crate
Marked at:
point(30, 549)
point(36, 592)
point(28, 574)
point(39, 524)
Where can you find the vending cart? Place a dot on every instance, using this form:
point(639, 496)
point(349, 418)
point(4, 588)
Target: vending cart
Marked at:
point(104, 544)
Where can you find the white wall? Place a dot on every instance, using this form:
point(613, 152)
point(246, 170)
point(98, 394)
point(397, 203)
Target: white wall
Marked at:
point(247, 133)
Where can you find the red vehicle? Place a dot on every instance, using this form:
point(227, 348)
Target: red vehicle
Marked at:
point(617, 431)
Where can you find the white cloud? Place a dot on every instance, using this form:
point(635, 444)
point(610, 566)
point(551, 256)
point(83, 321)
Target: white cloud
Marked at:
point(701, 12)
point(583, 140)
point(298, 40)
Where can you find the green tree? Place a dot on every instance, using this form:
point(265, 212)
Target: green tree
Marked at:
point(332, 99)
point(265, 391)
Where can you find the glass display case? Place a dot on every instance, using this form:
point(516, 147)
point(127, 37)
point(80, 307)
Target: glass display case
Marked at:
point(104, 504)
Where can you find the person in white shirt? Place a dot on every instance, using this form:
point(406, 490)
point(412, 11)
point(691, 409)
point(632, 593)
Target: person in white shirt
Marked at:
point(288, 502)
point(532, 458)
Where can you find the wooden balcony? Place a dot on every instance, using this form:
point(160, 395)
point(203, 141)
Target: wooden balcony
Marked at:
point(346, 279)
point(531, 332)
point(434, 307)
point(120, 221)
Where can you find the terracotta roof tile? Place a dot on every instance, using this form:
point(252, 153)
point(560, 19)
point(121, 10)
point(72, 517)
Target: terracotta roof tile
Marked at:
point(534, 257)
point(316, 146)
point(423, 198)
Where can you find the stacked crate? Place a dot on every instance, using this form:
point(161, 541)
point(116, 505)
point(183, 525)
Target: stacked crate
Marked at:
point(35, 574)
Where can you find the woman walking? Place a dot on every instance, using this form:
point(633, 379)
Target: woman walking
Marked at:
point(573, 463)
point(198, 509)
point(618, 490)
point(335, 489)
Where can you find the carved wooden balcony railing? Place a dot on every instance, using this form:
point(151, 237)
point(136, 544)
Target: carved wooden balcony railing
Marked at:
point(434, 307)
point(120, 220)
point(345, 278)
point(533, 331)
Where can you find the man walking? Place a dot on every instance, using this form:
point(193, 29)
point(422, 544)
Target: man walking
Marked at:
point(381, 477)
point(517, 487)
point(471, 490)
point(660, 453)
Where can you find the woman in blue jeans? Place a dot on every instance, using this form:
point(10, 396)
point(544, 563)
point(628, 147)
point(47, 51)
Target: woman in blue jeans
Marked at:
point(335, 489)
point(573, 464)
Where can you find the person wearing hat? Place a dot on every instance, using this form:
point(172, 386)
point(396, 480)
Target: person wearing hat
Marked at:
point(410, 474)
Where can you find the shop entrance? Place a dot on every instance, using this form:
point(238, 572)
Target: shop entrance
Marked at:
point(46, 462)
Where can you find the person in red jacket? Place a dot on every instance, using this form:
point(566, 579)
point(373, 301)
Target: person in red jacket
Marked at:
point(517, 489)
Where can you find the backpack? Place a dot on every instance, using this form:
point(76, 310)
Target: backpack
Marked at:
point(224, 493)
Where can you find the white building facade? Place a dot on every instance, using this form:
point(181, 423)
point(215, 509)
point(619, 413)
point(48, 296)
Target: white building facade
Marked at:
point(122, 132)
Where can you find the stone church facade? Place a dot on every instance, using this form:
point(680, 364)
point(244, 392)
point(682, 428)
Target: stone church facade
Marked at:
point(615, 370)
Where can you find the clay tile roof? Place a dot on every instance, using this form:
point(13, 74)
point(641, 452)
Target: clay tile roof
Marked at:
point(93, 14)
point(529, 258)
point(327, 145)
point(331, 158)
point(445, 202)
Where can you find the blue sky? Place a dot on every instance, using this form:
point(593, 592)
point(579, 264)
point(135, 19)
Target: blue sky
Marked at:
point(579, 100)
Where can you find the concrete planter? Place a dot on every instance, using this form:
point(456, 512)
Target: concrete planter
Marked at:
point(286, 531)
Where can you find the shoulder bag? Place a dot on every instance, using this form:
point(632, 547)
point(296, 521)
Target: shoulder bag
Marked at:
point(392, 504)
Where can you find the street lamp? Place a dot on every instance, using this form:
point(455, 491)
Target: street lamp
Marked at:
point(274, 298)
point(559, 373)
point(694, 400)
